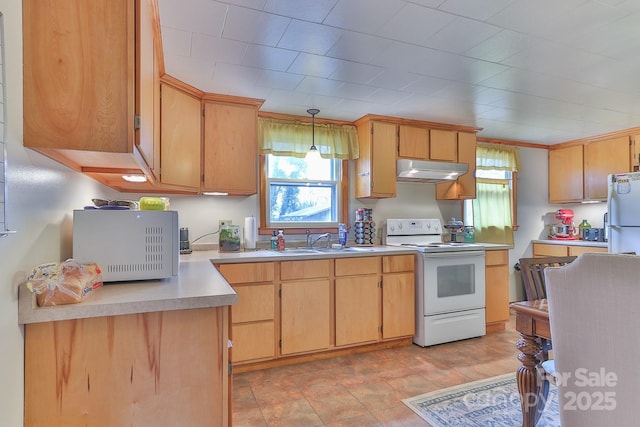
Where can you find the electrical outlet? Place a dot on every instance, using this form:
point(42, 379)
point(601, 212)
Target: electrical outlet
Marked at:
point(222, 222)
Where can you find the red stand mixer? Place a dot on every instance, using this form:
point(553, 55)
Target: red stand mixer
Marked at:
point(567, 229)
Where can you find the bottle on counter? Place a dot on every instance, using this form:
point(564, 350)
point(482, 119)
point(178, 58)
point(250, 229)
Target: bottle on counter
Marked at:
point(280, 241)
point(342, 234)
point(583, 225)
point(274, 240)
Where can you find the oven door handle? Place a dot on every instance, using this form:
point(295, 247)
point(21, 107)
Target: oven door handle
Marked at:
point(466, 254)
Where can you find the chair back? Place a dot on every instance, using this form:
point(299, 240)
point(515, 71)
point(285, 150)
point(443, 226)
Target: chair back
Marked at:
point(593, 310)
point(532, 270)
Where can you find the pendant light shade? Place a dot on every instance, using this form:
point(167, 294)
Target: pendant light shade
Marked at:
point(313, 150)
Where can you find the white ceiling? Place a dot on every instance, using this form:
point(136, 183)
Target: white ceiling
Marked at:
point(543, 71)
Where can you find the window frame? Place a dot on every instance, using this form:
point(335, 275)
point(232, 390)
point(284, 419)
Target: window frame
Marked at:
point(343, 215)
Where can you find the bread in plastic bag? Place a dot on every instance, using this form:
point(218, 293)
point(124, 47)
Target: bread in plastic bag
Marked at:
point(67, 282)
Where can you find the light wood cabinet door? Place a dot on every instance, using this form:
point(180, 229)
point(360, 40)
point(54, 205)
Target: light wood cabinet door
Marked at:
point(305, 312)
point(465, 186)
point(566, 174)
point(544, 249)
point(497, 286)
point(149, 369)
point(181, 137)
point(413, 142)
point(398, 305)
point(443, 145)
point(602, 158)
point(230, 160)
point(376, 166)
point(579, 250)
point(79, 85)
point(357, 309)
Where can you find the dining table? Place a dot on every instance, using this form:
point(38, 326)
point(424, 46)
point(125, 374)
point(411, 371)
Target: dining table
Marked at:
point(532, 322)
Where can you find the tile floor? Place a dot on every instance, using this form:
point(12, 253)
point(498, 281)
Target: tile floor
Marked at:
point(366, 389)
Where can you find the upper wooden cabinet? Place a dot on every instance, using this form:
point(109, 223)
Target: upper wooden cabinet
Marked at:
point(465, 186)
point(181, 137)
point(443, 145)
point(579, 172)
point(413, 142)
point(89, 100)
point(230, 148)
point(376, 166)
point(602, 158)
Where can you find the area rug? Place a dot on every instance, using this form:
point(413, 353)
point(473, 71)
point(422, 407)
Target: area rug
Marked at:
point(492, 402)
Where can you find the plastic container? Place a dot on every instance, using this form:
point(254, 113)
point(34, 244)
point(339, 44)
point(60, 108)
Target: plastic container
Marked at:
point(281, 244)
point(342, 234)
point(154, 203)
point(229, 238)
point(274, 240)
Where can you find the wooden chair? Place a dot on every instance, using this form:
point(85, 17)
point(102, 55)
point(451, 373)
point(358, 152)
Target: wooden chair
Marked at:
point(532, 270)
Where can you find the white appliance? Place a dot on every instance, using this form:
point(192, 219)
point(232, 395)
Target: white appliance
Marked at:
point(623, 205)
point(128, 244)
point(429, 171)
point(450, 286)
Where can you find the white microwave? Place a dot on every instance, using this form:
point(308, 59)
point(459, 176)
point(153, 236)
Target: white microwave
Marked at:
point(128, 244)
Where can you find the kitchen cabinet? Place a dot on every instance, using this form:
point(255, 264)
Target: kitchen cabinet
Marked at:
point(443, 145)
point(181, 137)
point(376, 166)
point(305, 306)
point(398, 296)
point(579, 172)
point(357, 300)
point(602, 158)
point(551, 249)
point(253, 330)
point(157, 368)
point(496, 289)
point(230, 148)
point(566, 181)
point(413, 142)
point(465, 186)
point(90, 100)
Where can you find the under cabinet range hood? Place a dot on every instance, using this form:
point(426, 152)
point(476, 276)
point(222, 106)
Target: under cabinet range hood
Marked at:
point(429, 171)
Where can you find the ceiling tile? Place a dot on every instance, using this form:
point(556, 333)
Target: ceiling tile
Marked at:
point(253, 26)
point(309, 37)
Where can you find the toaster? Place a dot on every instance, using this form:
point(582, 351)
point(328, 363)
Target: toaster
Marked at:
point(593, 234)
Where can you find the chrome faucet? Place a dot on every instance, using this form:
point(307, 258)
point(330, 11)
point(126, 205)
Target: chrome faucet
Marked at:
point(311, 241)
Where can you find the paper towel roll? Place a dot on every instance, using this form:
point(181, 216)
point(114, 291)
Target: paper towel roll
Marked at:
point(250, 233)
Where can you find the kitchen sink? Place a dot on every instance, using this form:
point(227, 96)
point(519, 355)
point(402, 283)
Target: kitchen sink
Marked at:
point(298, 251)
point(347, 249)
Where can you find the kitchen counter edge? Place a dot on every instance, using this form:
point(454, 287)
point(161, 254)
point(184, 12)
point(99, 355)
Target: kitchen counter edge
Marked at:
point(198, 285)
point(572, 243)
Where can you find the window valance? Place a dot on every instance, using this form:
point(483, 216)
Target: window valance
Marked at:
point(497, 157)
point(293, 138)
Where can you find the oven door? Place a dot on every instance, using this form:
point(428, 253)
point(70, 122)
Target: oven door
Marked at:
point(453, 281)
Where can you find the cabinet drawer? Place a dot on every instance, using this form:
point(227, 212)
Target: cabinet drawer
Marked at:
point(541, 249)
point(255, 302)
point(356, 266)
point(247, 272)
point(497, 257)
point(579, 250)
point(253, 341)
point(396, 263)
point(291, 270)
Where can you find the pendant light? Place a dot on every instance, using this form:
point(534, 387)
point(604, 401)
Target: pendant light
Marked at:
point(313, 150)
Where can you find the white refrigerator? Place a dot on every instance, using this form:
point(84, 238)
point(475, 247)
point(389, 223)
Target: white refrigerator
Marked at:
point(623, 204)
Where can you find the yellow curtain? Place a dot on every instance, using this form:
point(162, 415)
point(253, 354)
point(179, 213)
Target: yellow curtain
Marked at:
point(497, 157)
point(293, 138)
point(492, 211)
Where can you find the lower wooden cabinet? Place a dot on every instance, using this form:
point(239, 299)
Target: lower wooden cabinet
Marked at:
point(551, 249)
point(497, 289)
point(297, 308)
point(150, 369)
point(398, 296)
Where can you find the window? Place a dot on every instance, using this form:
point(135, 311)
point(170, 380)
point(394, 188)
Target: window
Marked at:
point(299, 192)
point(302, 192)
point(493, 212)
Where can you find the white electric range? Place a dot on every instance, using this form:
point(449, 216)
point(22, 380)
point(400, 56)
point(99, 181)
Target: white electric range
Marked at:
point(450, 286)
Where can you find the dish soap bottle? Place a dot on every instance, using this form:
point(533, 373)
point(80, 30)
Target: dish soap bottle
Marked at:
point(274, 240)
point(584, 224)
point(280, 240)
